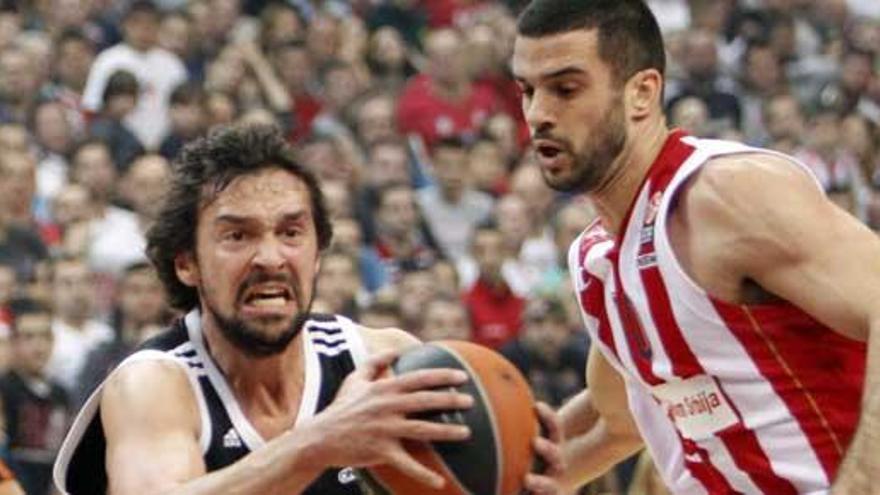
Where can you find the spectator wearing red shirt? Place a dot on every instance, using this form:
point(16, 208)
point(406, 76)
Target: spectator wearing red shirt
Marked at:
point(496, 311)
point(293, 63)
point(443, 101)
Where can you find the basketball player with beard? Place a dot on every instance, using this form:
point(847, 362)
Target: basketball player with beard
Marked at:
point(733, 308)
point(249, 392)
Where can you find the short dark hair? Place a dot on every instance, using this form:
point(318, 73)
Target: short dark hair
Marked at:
point(204, 169)
point(142, 7)
point(121, 83)
point(455, 142)
point(74, 35)
point(188, 93)
point(22, 307)
point(629, 36)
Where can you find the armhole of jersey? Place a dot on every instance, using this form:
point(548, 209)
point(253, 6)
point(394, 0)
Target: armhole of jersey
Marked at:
point(693, 164)
point(574, 268)
point(205, 427)
point(356, 344)
point(90, 409)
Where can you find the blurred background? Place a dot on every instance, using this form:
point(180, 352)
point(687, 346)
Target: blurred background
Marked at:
point(406, 110)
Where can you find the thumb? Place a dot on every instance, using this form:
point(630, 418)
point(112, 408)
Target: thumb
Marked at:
point(377, 364)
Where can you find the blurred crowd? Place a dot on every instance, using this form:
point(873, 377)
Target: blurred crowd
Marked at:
point(406, 110)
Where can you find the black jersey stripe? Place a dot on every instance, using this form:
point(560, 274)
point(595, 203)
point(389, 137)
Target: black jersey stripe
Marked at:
point(325, 330)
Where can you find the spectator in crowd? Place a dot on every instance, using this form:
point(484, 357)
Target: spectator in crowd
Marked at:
point(74, 54)
point(550, 356)
point(118, 102)
point(538, 252)
point(20, 244)
point(35, 410)
point(443, 101)
point(702, 79)
point(339, 283)
point(495, 310)
point(388, 58)
point(76, 328)
point(72, 213)
point(415, 290)
point(382, 313)
point(188, 117)
point(387, 163)
point(140, 312)
point(374, 118)
point(487, 166)
point(54, 138)
point(19, 83)
point(144, 185)
point(158, 72)
point(783, 118)
point(446, 318)
point(403, 241)
point(295, 68)
point(833, 165)
point(762, 77)
point(176, 34)
point(452, 207)
point(115, 238)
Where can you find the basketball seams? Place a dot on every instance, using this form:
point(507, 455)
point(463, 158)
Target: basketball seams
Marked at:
point(490, 412)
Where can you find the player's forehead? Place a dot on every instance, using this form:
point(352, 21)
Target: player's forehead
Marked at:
point(535, 58)
point(264, 195)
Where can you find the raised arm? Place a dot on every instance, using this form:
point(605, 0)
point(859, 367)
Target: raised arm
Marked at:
point(598, 429)
point(780, 231)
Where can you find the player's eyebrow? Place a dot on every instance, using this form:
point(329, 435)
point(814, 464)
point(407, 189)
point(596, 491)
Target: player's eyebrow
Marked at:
point(568, 70)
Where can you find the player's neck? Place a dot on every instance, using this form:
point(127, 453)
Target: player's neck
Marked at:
point(614, 197)
point(268, 382)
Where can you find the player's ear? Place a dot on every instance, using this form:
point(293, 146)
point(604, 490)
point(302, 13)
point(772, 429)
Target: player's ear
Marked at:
point(187, 269)
point(643, 93)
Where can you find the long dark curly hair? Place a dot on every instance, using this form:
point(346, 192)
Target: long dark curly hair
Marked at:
point(205, 168)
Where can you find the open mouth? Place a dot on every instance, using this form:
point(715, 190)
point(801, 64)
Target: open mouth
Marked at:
point(266, 297)
point(548, 149)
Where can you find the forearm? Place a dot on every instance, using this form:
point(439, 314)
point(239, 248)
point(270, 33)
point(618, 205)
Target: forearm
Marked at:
point(285, 465)
point(271, 86)
point(860, 472)
point(592, 447)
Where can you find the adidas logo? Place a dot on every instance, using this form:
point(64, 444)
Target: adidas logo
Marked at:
point(231, 439)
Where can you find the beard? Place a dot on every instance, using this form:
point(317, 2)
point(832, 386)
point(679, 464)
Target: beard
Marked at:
point(591, 167)
point(247, 337)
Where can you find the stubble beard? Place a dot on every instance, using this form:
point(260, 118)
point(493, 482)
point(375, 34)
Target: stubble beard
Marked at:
point(249, 339)
point(591, 168)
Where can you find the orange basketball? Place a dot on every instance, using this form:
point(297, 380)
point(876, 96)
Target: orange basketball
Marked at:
point(503, 422)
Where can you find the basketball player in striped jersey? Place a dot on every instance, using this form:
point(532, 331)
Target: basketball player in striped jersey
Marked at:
point(734, 310)
point(250, 393)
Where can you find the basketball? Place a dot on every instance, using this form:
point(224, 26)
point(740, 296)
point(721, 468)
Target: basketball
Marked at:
point(503, 422)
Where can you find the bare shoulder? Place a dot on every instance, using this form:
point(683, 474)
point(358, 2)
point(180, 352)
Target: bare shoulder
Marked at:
point(748, 183)
point(149, 392)
point(387, 339)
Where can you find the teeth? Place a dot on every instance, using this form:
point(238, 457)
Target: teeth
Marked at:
point(269, 301)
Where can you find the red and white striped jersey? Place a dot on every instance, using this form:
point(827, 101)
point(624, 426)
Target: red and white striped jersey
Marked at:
point(754, 399)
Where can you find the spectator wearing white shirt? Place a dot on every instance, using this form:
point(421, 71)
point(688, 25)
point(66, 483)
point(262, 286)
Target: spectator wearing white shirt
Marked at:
point(158, 71)
point(75, 330)
point(115, 237)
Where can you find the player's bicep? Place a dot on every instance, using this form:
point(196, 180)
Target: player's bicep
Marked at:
point(151, 423)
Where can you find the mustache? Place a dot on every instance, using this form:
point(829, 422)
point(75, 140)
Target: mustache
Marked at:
point(548, 136)
point(261, 277)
